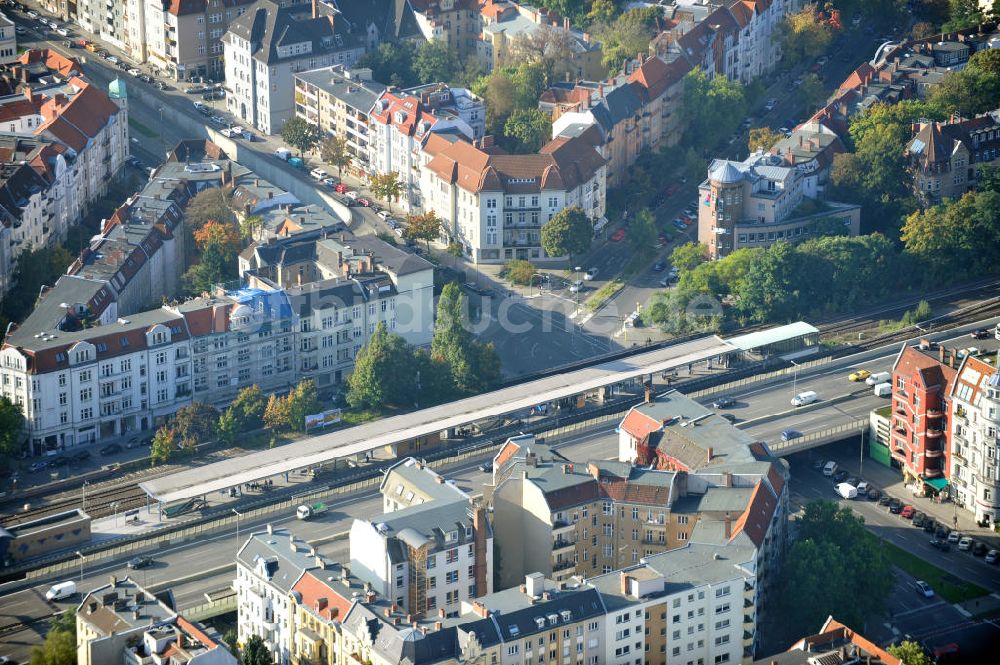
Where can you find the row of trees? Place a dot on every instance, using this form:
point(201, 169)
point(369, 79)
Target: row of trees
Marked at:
point(249, 411)
point(390, 373)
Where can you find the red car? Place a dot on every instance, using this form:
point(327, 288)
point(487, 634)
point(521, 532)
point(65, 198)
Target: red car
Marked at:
point(341, 188)
point(673, 189)
point(618, 235)
point(907, 512)
point(365, 202)
point(662, 240)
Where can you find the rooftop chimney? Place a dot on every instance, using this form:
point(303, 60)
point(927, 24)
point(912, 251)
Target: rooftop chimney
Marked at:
point(480, 609)
point(729, 526)
point(708, 454)
point(438, 625)
point(623, 578)
point(370, 597)
point(565, 23)
point(441, 612)
point(941, 353)
point(648, 392)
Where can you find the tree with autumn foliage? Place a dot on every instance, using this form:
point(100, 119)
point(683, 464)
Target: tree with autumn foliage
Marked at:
point(807, 34)
point(218, 233)
point(218, 245)
point(424, 227)
point(386, 186)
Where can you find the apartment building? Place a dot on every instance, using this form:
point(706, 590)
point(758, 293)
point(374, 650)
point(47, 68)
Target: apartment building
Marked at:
point(107, 20)
point(122, 623)
point(945, 157)
point(184, 39)
point(495, 204)
point(761, 200)
point(455, 23)
point(441, 99)
point(70, 132)
point(505, 23)
point(400, 127)
point(431, 550)
point(919, 435)
point(264, 48)
point(811, 149)
point(8, 40)
point(268, 566)
point(338, 100)
point(975, 416)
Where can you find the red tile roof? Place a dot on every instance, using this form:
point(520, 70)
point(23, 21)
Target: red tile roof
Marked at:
point(916, 365)
point(776, 479)
point(315, 591)
point(506, 453)
point(834, 632)
point(757, 517)
point(196, 633)
point(639, 425)
point(53, 60)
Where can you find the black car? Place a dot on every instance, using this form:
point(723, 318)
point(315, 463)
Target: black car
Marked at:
point(930, 526)
point(874, 495)
point(819, 464)
point(941, 533)
point(840, 476)
point(111, 449)
point(660, 266)
point(919, 519)
point(140, 562)
point(980, 333)
point(853, 481)
point(723, 402)
point(486, 467)
point(979, 549)
point(730, 417)
point(895, 506)
point(940, 544)
point(57, 462)
point(885, 500)
point(81, 456)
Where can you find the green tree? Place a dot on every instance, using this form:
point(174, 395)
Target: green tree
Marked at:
point(769, 292)
point(300, 134)
point(527, 130)
point(805, 35)
point(834, 556)
point(426, 227)
point(11, 421)
point(212, 204)
point(255, 652)
point(475, 367)
point(962, 14)
point(972, 90)
point(500, 98)
point(195, 421)
point(226, 427)
point(277, 415)
point(383, 373)
point(434, 63)
point(642, 232)
point(59, 647)
point(217, 265)
point(302, 401)
point(392, 63)
point(910, 653)
point(763, 138)
point(811, 94)
point(433, 379)
point(956, 237)
point(333, 151)
point(626, 36)
point(248, 408)
point(251, 227)
point(163, 446)
point(711, 108)
point(386, 186)
point(568, 233)
point(688, 256)
point(519, 271)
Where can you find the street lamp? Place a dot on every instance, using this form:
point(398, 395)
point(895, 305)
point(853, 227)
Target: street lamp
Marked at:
point(238, 516)
point(531, 282)
point(795, 376)
point(84, 499)
point(114, 507)
point(82, 559)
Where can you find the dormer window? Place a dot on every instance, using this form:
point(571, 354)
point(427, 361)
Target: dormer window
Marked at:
point(400, 117)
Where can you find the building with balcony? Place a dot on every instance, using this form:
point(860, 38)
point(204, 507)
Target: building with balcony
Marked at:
point(761, 200)
point(455, 23)
point(945, 157)
point(338, 100)
point(400, 128)
point(184, 39)
point(122, 623)
point(975, 418)
point(431, 550)
point(264, 48)
point(441, 99)
point(495, 204)
point(919, 432)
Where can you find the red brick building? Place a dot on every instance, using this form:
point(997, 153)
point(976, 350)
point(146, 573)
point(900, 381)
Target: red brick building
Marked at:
point(919, 436)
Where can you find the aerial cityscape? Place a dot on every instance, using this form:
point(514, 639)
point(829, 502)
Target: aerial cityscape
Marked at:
point(555, 332)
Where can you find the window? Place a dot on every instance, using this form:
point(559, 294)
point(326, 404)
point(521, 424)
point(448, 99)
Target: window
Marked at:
point(452, 555)
point(451, 577)
point(722, 639)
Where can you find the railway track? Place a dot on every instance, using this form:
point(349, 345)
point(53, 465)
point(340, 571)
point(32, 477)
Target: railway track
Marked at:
point(99, 503)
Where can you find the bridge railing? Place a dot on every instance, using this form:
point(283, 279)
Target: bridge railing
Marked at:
point(822, 437)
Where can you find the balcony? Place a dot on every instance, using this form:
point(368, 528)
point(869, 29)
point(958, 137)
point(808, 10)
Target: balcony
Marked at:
point(933, 434)
point(935, 413)
point(562, 565)
point(933, 453)
point(933, 473)
point(559, 527)
point(561, 544)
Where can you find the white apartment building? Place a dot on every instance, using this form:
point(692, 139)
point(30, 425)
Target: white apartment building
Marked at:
point(8, 40)
point(400, 127)
point(264, 48)
point(975, 460)
point(268, 565)
point(432, 551)
point(79, 385)
point(494, 205)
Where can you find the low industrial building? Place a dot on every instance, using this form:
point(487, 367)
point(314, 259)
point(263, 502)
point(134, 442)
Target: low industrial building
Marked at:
point(51, 533)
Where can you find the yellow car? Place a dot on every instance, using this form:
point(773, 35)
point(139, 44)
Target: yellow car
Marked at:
point(860, 375)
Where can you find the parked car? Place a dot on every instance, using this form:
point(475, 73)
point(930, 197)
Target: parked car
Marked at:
point(37, 466)
point(365, 202)
point(965, 544)
point(57, 462)
point(818, 465)
point(840, 476)
point(979, 549)
point(930, 526)
point(895, 506)
point(992, 556)
point(111, 449)
point(384, 214)
point(771, 104)
point(723, 402)
point(617, 236)
point(907, 512)
point(923, 589)
point(885, 500)
point(918, 519)
point(81, 456)
point(486, 467)
point(138, 562)
point(660, 266)
point(318, 174)
point(590, 275)
point(939, 544)
point(954, 537)
point(330, 182)
point(576, 286)
point(789, 434)
point(351, 194)
point(980, 333)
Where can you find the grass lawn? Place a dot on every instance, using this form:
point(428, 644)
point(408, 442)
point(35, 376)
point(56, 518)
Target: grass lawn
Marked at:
point(602, 295)
point(141, 128)
point(949, 587)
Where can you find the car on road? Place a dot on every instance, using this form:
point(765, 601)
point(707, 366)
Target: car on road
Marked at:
point(219, 120)
point(923, 589)
point(37, 466)
point(81, 456)
point(859, 375)
point(318, 174)
point(840, 476)
point(33, 14)
point(590, 275)
point(330, 182)
point(660, 266)
point(139, 562)
point(576, 286)
point(365, 202)
point(853, 480)
point(730, 417)
point(62, 31)
point(679, 223)
point(930, 526)
point(617, 236)
point(907, 512)
point(818, 465)
point(939, 544)
point(954, 537)
point(113, 59)
point(896, 506)
point(885, 500)
point(873, 494)
point(771, 104)
point(351, 194)
point(57, 462)
point(965, 544)
point(979, 548)
point(134, 71)
point(863, 487)
point(790, 434)
point(384, 214)
point(486, 467)
point(918, 519)
point(341, 188)
point(992, 556)
point(980, 333)
point(723, 402)
point(111, 449)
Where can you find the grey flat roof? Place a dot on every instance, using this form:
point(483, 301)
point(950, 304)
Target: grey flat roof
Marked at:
point(387, 431)
point(761, 338)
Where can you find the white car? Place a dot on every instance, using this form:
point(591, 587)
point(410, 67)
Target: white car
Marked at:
point(33, 14)
point(576, 286)
point(113, 59)
point(954, 537)
point(63, 31)
point(924, 589)
point(590, 274)
point(771, 103)
point(319, 174)
point(352, 195)
point(384, 214)
point(965, 544)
